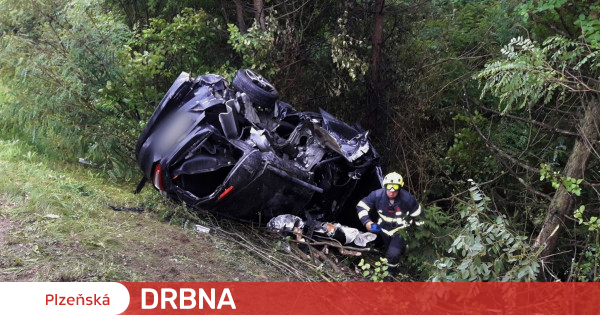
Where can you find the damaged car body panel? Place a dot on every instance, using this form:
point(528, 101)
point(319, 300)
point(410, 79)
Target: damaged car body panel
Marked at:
point(242, 153)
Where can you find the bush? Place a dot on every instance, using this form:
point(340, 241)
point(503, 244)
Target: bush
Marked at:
point(486, 249)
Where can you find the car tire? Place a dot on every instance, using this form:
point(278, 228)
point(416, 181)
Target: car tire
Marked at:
point(259, 90)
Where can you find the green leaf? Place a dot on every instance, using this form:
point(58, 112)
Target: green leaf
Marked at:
point(522, 273)
point(498, 266)
point(464, 265)
point(486, 269)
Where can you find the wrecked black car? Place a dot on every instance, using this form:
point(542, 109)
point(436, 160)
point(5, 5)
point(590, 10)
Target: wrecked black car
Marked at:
point(243, 153)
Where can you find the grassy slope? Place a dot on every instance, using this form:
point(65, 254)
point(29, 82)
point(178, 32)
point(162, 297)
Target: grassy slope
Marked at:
point(55, 225)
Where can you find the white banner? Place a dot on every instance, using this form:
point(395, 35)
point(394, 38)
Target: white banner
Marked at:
point(63, 298)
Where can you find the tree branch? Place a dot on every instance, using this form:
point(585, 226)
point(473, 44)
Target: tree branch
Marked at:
point(462, 192)
point(498, 151)
point(533, 122)
point(505, 155)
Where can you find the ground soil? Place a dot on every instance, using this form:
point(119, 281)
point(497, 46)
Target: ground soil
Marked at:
point(150, 251)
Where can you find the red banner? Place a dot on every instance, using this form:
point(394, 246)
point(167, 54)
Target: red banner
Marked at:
point(363, 298)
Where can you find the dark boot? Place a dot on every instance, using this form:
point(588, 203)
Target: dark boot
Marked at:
point(392, 272)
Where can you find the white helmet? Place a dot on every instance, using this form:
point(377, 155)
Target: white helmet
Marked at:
point(393, 178)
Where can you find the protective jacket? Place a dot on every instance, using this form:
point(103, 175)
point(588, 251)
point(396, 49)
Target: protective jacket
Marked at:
point(392, 216)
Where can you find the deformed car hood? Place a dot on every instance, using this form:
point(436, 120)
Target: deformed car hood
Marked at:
point(349, 142)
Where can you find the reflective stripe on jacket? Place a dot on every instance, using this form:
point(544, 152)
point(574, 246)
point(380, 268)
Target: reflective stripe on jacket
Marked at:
point(392, 217)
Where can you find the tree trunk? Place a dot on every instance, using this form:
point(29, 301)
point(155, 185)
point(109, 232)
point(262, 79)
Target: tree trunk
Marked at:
point(259, 7)
point(562, 203)
point(239, 10)
point(373, 90)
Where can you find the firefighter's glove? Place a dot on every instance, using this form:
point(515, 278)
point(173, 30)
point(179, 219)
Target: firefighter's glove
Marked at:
point(375, 228)
point(402, 223)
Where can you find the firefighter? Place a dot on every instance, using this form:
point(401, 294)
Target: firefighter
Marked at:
point(392, 209)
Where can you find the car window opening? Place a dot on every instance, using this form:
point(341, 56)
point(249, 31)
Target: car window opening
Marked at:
point(203, 184)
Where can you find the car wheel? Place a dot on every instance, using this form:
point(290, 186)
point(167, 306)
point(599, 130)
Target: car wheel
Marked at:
point(259, 90)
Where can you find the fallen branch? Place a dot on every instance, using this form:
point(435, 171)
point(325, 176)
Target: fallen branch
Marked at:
point(134, 209)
